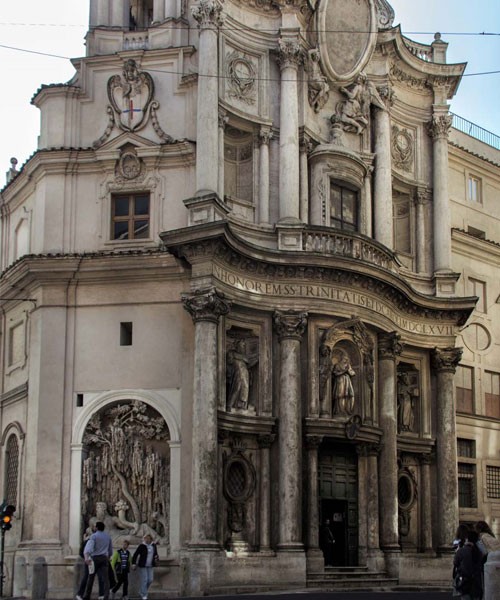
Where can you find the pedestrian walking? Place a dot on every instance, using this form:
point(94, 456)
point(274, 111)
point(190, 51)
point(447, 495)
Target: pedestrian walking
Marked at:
point(145, 558)
point(121, 561)
point(97, 552)
point(467, 569)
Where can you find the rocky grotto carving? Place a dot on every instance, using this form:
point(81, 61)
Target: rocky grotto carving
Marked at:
point(127, 469)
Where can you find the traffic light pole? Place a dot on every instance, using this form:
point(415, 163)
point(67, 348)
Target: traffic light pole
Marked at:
point(2, 576)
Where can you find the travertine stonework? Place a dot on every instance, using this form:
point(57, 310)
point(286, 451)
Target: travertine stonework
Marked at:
point(249, 284)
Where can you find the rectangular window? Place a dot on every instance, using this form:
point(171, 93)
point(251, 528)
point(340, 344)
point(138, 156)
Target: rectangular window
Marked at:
point(492, 394)
point(130, 216)
point(126, 333)
point(474, 189)
point(466, 448)
point(492, 481)
point(464, 389)
point(467, 485)
point(343, 208)
point(478, 288)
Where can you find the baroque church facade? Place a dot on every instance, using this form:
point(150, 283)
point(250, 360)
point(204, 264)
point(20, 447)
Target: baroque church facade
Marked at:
point(249, 284)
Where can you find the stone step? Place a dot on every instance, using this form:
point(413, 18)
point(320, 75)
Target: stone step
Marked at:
point(366, 583)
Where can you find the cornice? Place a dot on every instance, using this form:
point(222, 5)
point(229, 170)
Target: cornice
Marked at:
point(32, 271)
point(473, 247)
point(218, 242)
point(480, 157)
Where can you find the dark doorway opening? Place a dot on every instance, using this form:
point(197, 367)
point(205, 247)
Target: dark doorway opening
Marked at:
point(336, 512)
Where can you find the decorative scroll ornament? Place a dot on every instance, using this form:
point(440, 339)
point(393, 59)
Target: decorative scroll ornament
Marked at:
point(129, 166)
point(385, 14)
point(446, 359)
point(402, 148)
point(289, 54)
point(208, 13)
point(290, 324)
point(439, 127)
point(207, 305)
point(241, 76)
point(389, 345)
point(130, 96)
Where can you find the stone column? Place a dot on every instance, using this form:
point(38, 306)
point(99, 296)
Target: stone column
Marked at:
point(372, 501)
point(208, 15)
point(439, 128)
point(223, 119)
point(384, 231)
point(170, 9)
point(368, 214)
point(289, 60)
point(444, 362)
point(205, 308)
point(305, 149)
point(265, 135)
point(421, 201)
point(425, 506)
point(290, 327)
point(312, 444)
point(265, 442)
point(363, 493)
point(389, 347)
point(119, 14)
point(158, 11)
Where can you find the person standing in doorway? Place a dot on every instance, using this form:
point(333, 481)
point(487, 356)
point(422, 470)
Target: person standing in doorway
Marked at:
point(145, 558)
point(326, 541)
point(97, 552)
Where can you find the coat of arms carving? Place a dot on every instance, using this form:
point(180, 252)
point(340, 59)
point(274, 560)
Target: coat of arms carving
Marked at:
point(130, 95)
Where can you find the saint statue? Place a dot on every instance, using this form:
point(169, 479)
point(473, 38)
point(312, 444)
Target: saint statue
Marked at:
point(406, 403)
point(343, 390)
point(238, 366)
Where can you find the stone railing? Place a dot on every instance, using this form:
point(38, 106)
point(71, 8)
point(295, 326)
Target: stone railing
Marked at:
point(349, 245)
point(422, 51)
point(136, 40)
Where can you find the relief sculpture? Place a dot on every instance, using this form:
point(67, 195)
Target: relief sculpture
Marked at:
point(354, 112)
point(127, 470)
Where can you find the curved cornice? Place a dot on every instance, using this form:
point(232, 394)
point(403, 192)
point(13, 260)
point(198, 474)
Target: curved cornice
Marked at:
point(219, 242)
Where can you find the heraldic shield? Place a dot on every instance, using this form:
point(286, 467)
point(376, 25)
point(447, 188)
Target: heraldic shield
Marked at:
point(130, 95)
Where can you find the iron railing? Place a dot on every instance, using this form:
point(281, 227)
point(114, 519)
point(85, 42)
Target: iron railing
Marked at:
point(483, 135)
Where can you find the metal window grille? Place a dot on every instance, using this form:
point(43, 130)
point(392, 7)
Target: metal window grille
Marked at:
point(493, 482)
point(12, 463)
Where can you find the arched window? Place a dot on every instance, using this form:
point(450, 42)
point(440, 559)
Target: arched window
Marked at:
point(11, 470)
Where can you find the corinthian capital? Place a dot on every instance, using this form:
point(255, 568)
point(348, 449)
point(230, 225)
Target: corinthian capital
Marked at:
point(389, 345)
point(289, 54)
point(206, 305)
point(290, 324)
point(445, 360)
point(440, 126)
point(208, 13)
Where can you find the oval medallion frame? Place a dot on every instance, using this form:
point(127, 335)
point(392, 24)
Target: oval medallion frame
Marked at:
point(346, 53)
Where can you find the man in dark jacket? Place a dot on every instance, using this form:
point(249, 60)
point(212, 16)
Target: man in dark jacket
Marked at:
point(467, 566)
point(145, 557)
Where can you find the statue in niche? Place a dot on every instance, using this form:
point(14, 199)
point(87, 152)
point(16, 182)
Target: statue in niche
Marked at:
point(238, 375)
point(343, 390)
point(406, 397)
point(354, 112)
point(319, 89)
point(325, 375)
point(128, 468)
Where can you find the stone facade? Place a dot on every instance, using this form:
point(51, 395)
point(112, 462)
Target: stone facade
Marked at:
point(249, 283)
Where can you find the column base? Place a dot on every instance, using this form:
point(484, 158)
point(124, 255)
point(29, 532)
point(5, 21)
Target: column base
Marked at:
point(205, 207)
point(204, 546)
point(444, 283)
point(291, 547)
point(315, 560)
point(445, 550)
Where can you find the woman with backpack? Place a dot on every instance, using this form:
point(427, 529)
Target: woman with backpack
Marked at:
point(121, 562)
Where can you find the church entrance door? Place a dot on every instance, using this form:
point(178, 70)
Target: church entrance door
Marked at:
point(338, 483)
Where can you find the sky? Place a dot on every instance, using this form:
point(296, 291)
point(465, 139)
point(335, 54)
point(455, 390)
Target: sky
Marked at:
point(58, 27)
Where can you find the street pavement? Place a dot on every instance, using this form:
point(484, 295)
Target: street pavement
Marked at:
point(343, 595)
